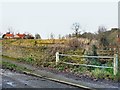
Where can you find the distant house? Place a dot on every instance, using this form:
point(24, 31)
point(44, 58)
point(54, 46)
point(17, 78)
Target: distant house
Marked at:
point(8, 36)
point(20, 36)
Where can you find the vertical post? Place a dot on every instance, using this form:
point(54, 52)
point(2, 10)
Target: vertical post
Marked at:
point(115, 64)
point(57, 58)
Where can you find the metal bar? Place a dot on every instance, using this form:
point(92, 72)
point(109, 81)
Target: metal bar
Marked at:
point(87, 56)
point(87, 65)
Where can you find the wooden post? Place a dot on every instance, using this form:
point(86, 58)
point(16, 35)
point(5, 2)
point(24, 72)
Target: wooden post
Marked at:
point(57, 58)
point(115, 64)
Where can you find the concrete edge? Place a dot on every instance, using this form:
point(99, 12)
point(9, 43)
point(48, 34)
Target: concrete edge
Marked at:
point(56, 79)
point(60, 81)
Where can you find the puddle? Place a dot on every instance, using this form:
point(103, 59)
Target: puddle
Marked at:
point(11, 84)
point(8, 74)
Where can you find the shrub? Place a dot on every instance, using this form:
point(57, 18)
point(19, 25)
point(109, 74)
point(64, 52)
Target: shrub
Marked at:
point(74, 43)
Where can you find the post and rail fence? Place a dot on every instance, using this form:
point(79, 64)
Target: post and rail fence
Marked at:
point(115, 61)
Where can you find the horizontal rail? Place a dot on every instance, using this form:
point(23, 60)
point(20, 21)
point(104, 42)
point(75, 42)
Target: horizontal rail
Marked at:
point(87, 56)
point(86, 65)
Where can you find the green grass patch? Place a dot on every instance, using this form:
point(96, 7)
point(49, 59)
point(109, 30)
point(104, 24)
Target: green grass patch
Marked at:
point(104, 74)
point(28, 60)
point(10, 66)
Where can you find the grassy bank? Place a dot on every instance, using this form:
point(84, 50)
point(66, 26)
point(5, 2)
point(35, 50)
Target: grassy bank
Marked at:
point(94, 73)
point(44, 56)
point(13, 67)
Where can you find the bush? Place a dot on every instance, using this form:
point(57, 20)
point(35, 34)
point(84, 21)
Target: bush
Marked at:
point(74, 43)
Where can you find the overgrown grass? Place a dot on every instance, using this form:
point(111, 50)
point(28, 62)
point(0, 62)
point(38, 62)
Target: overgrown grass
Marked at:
point(43, 55)
point(28, 60)
point(102, 74)
point(10, 66)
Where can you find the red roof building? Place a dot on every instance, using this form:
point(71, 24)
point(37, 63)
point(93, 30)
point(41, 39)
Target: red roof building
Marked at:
point(9, 36)
point(17, 36)
point(21, 36)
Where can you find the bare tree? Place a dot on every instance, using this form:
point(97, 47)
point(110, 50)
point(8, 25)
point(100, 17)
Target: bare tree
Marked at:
point(101, 29)
point(102, 37)
point(10, 30)
point(59, 36)
point(52, 36)
point(76, 27)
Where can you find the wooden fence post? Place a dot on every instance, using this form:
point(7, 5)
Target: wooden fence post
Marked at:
point(115, 64)
point(57, 58)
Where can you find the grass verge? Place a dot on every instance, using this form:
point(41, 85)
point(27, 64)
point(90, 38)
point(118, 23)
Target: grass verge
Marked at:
point(13, 67)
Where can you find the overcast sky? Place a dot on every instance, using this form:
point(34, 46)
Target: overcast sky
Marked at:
point(57, 17)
